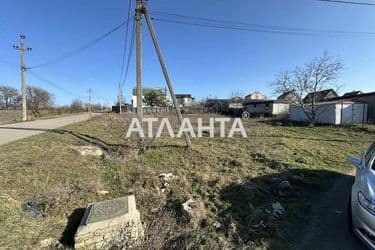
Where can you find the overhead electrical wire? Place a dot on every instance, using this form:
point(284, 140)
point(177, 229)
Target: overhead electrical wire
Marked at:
point(125, 44)
point(43, 79)
point(57, 86)
point(81, 48)
point(348, 2)
point(131, 46)
point(230, 25)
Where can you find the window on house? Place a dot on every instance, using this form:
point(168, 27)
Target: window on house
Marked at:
point(254, 105)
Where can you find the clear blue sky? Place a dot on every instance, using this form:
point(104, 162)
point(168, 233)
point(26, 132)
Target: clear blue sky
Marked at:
point(202, 61)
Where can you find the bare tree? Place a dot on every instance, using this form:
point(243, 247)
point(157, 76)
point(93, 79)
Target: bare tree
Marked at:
point(321, 73)
point(8, 96)
point(236, 93)
point(38, 98)
point(77, 106)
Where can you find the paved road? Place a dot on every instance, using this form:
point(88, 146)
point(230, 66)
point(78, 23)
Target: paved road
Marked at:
point(328, 228)
point(16, 131)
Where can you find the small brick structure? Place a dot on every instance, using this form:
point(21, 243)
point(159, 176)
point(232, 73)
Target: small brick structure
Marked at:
point(109, 224)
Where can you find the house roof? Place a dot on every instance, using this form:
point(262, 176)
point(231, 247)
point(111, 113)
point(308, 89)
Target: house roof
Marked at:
point(260, 101)
point(183, 95)
point(256, 92)
point(319, 95)
point(354, 97)
point(285, 94)
point(352, 94)
point(335, 101)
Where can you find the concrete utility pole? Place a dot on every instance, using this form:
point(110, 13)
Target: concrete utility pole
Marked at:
point(22, 50)
point(138, 30)
point(141, 9)
point(90, 93)
point(120, 99)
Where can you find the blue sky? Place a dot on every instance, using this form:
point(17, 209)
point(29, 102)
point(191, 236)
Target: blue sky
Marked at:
point(202, 61)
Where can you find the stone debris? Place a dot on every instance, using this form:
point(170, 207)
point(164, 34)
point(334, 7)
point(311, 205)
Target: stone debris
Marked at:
point(194, 211)
point(88, 150)
point(111, 223)
point(277, 209)
point(102, 192)
point(50, 243)
point(188, 206)
point(216, 225)
point(167, 177)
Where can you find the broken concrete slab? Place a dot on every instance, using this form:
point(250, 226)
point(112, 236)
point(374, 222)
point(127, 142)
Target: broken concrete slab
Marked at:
point(88, 150)
point(110, 223)
point(50, 243)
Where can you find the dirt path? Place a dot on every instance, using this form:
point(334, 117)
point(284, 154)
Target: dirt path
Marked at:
point(328, 228)
point(16, 131)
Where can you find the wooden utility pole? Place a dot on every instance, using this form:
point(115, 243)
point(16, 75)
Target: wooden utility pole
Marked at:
point(142, 9)
point(21, 48)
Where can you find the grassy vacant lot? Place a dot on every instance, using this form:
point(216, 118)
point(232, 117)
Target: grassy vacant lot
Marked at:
point(10, 116)
point(235, 181)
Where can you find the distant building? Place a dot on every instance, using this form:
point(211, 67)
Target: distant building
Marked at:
point(358, 96)
point(184, 100)
point(255, 96)
point(217, 105)
point(268, 108)
point(235, 103)
point(288, 97)
point(338, 112)
point(352, 94)
point(320, 96)
point(145, 91)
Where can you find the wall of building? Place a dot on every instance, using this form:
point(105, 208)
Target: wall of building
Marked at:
point(333, 113)
point(259, 108)
point(370, 100)
point(354, 113)
point(280, 108)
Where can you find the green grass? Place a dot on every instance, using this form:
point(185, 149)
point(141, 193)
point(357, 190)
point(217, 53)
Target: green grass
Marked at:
point(233, 178)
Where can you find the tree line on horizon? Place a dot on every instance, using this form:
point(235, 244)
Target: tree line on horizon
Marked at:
point(38, 100)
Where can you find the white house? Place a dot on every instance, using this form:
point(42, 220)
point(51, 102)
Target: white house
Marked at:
point(333, 112)
point(255, 96)
point(145, 91)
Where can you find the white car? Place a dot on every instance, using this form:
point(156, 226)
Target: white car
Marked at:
point(362, 200)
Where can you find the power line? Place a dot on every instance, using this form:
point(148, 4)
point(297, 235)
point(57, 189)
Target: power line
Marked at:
point(348, 2)
point(255, 26)
point(57, 86)
point(43, 79)
point(125, 44)
point(79, 49)
point(224, 24)
point(129, 55)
